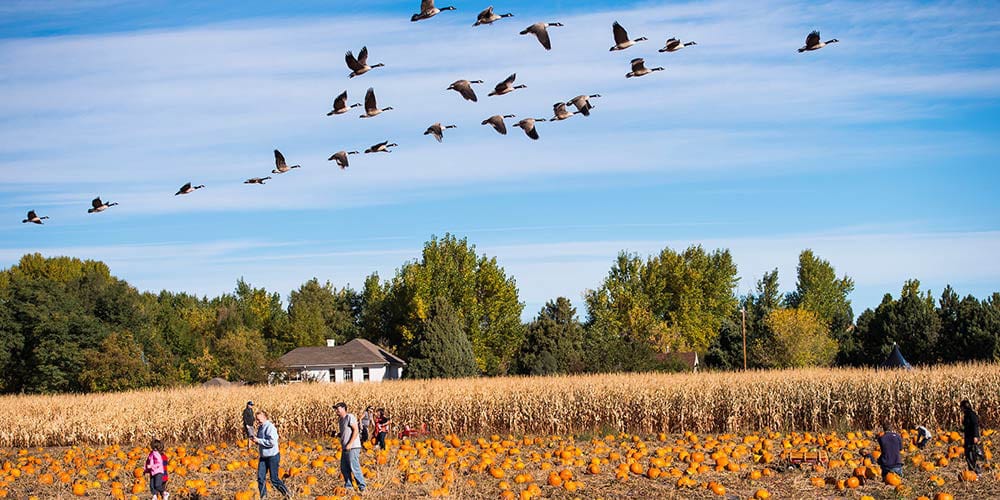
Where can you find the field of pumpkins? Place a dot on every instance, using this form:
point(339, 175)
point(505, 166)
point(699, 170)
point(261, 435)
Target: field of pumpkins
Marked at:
point(749, 466)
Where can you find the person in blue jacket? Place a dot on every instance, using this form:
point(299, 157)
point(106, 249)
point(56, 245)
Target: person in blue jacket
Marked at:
point(270, 459)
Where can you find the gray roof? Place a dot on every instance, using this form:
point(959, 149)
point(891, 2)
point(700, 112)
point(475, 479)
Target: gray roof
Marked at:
point(355, 352)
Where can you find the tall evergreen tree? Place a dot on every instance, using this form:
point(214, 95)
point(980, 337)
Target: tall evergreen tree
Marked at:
point(554, 343)
point(444, 349)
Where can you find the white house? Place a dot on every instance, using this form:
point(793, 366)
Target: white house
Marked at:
point(356, 361)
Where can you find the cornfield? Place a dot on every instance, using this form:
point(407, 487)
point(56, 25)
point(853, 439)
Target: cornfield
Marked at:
point(802, 400)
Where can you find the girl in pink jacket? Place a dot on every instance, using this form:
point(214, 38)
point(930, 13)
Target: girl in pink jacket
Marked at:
point(156, 467)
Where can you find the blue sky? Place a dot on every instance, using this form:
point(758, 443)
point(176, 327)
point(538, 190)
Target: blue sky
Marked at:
point(880, 152)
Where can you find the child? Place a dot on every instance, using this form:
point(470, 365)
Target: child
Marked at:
point(156, 467)
point(923, 436)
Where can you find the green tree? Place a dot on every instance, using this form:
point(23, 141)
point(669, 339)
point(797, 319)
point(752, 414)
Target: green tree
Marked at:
point(117, 364)
point(444, 349)
point(798, 338)
point(320, 312)
point(912, 321)
point(554, 342)
point(819, 290)
point(671, 301)
point(970, 328)
point(240, 355)
point(477, 287)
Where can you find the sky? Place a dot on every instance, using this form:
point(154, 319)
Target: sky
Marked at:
point(881, 152)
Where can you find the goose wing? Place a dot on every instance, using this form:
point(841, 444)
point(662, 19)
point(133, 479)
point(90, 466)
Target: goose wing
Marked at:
point(436, 131)
point(467, 92)
point(812, 39)
point(363, 56)
point(486, 14)
point(621, 36)
point(352, 62)
point(559, 108)
point(426, 5)
point(506, 83)
point(531, 131)
point(673, 43)
point(279, 160)
point(31, 215)
point(186, 187)
point(97, 202)
point(341, 101)
point(542, 33)
point(638, 64)
point(370, 103)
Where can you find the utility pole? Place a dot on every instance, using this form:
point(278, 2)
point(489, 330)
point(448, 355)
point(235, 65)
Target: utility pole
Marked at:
point(743, 311)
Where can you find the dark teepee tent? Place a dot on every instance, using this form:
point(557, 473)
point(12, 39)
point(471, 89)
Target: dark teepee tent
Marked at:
point(896, 359)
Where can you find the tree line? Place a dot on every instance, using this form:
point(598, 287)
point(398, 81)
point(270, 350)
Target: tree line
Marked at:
point(69, 325)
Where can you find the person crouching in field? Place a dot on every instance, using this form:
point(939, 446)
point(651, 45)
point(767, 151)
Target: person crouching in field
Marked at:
point(270, 459)
point(970, 427)
point(890, 444)
point(923, 437)
point(248, 420)
point(350, 455)
point(156, 467)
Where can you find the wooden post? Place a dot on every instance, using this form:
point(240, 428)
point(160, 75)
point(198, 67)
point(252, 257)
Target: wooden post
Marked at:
point(743, 311)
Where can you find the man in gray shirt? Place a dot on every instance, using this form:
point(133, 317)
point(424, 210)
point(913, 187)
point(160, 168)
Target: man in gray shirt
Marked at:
point(350, 441)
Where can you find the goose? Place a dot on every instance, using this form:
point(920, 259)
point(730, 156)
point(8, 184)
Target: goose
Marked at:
point(340, 105)
point(560, 111)
point(488, 17)
point(813, 42)
point(437, 130)
point(341, 157)
point(582, 103)
point(639, 68)
point(540, 30)
point(371, 106)
point(382, 147)
point(528, 125)
point(187, 189)
point(464, 87)
point(32, 217)
point(496, 121)
point(674, 44)
point(622, 41)
point(99, 206)
point(507, 86)
point(428, 10)
point(257, 180)
point(360, 65)
point(280, 166)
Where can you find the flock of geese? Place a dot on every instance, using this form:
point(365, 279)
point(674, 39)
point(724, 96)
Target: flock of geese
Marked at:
point(359, 66)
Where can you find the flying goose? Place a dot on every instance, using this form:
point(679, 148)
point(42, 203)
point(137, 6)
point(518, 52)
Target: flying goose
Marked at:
point(582, 103)
point(488, 17)
point(540, 30)
point(187, 189)
point(32, 217)
point(360, 65)
point(507, 86)
point(528, 125)
point(622, 41)
point(428, 10)
point(340, 105)
point(382, 147)
point(256, 180)
point(341, 157)
point(371, 106)
point(280, 166)
point(496, 121)
point(99, 206)
point(813, 42)
point(674, 44)
point(560, 111)
point(639, 68)
point(464, 87)
point(437, 130)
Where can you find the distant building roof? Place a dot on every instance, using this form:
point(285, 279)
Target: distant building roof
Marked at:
point(217, 382)
point(688, 359)
point(355, 352)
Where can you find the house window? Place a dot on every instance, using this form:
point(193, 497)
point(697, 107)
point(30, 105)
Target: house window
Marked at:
point(295, 376)
point(364, 374)
point(333, 374)
point(348, 374)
